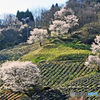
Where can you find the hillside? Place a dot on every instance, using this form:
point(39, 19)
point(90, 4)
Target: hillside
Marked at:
point(63, 46)
point(62, 65)
point(59, 63)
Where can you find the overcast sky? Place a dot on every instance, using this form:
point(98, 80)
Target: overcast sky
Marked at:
point(11, 6)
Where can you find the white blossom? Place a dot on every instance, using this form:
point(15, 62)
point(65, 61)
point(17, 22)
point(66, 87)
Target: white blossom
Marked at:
point(59, 14)
point(19, 76)
point(96, 46)
point(94, 61)
point(72, 20)
point(63, 22)
point(97, 6)
point(37, 35)
point(62, 13)
point(60, 27)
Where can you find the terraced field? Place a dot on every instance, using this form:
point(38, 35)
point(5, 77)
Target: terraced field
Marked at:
point(90, 83)
point(9, 95)
point(56, 73)
point(84, 85)
point(69, 76)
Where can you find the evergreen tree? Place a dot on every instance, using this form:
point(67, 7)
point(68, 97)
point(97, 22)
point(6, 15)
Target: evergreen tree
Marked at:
point(23, 15)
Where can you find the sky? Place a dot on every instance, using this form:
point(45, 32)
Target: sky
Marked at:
point(11, 6)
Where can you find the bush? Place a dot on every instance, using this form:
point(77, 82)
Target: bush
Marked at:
point(19, 76)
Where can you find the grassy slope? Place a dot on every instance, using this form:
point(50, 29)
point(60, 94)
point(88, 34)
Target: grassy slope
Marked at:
point(56, 51)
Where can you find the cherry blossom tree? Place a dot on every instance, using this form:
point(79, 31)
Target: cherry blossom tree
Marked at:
point(61, 15)
point(37, 35)
point(64, 20)
point(59, 27)
point(19, 76)
point(94, 61)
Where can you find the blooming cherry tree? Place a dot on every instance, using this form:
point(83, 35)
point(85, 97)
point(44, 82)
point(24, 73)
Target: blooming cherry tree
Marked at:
point(59, 27)
point(63, 22)
point(19, 76)
point(96, 46)
point(94, 61)
point(71, 20)
point(37, 35)
point(61, 15)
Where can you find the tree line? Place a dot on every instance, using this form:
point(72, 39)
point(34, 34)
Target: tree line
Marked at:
point(16, 29)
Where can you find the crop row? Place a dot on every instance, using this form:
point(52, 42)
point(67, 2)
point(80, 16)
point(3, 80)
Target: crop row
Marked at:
point(9, 95)
point(87, 85)
point(60, 72)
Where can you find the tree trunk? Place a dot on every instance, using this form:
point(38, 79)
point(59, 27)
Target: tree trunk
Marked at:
point(98, 68)
point(40, 44)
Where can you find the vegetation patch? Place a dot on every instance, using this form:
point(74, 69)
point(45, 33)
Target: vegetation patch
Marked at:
point(54, 51)
point(14, 53)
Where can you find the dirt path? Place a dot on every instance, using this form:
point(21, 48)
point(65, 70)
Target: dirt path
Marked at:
point(38, 50)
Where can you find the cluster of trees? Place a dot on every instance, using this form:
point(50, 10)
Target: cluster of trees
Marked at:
point(86, 10)
point(89, 32)
point(88, 13)
point(13, 32)
point(43, 17)
point(13, 29)
point(23, 15)
point(63, 21)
